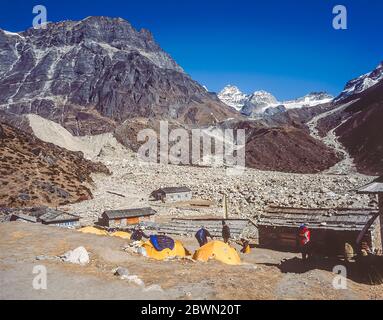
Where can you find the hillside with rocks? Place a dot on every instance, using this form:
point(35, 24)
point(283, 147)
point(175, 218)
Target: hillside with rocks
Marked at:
point(288, 149)
point(357, 121)
point(33, 172)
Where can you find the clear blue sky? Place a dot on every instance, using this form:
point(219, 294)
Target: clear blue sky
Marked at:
point(287, 47)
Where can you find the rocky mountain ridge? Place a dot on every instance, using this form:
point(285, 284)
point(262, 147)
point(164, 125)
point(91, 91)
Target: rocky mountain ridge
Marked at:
point(93, 74)
point(361, 84)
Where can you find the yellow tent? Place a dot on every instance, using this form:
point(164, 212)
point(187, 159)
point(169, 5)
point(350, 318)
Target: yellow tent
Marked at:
point(93, 230)
point(217, 250)
point(247, 249)
point(178, 251)
point(121, 234)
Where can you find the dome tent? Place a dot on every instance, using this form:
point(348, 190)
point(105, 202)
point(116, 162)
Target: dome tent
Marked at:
point(217, 250)
point(93, 230)
point(121, 234)
point(177, 251)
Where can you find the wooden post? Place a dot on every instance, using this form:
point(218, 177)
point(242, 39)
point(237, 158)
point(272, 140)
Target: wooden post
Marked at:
point(380, 203)
point(225, 209)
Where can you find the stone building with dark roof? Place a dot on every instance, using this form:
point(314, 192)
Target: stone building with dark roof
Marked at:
point(59, 219)
point(125, 218)
point(172, 194)
point(47, 216)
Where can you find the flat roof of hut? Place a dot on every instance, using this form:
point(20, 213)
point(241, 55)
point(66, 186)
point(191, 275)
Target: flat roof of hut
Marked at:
point(56, 216)
point(170, 190)
point(340, 219)
point(44, 215)
point(374, 187)
point(129, 213)
point(23, 217)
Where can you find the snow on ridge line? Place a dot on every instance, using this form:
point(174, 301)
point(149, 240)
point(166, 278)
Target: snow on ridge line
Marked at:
point(12, 34)
point(259, 101)
point(159, 58)
point(362, 83)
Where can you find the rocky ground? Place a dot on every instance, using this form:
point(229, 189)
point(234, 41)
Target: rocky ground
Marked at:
point(264, 273)
point(248, 193)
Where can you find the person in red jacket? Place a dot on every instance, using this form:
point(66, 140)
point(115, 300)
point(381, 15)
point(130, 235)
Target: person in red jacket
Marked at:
point(304, 241)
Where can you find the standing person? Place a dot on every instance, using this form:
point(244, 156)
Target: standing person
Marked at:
point(225, 232)
point(202, 235)
point(138, 234)
point(245, 246)
point(304, 238)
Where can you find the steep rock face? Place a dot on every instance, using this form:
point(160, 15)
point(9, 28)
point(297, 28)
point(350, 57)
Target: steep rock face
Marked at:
point(33, 172)
point(97, 71)
point(363, 137)
point(359, 126)
point(362, 132)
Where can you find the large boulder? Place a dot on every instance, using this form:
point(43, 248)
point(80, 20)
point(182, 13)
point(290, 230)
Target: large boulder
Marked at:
point(77, 256)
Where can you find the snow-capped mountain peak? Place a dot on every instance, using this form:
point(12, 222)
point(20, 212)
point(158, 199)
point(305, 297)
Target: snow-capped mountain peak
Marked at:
point(259, 102)
point(263, 97)
point(362, 83)
point(233, 97)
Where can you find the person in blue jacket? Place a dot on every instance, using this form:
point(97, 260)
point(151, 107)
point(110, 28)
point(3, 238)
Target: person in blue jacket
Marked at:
point(202, 235)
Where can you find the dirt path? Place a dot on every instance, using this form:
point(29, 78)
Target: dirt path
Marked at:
point(346, 165)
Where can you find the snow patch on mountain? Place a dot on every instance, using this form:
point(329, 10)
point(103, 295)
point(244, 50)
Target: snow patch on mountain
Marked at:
point(263, 97)
point(362, 83)
point(310, 100)
point(13, 34)
point(259, 102)
point(233, 97)
point(113, 35)
point(262, 102)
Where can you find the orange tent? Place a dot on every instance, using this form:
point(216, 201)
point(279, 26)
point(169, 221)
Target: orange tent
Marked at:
point(217, 250)
point(178, 251)
point(121, 234)
point(93, 230)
